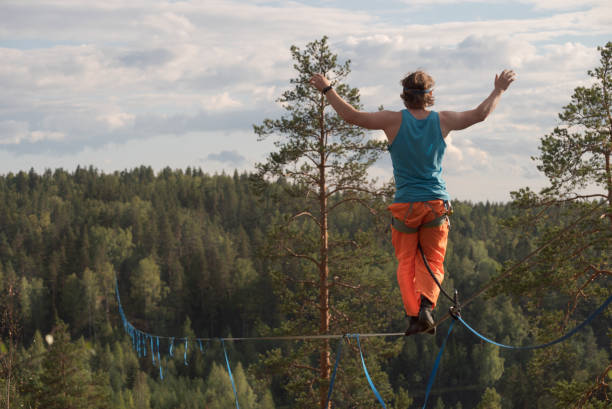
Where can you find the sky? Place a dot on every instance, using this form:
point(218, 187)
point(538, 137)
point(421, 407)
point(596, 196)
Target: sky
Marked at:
point(119, 84)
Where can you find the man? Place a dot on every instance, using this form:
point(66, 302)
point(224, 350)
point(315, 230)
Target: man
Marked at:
point(416, 143)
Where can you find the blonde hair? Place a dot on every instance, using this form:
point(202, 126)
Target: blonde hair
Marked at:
point(417, 81)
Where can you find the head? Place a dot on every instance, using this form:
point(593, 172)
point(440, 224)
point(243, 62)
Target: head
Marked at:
point(413, 86)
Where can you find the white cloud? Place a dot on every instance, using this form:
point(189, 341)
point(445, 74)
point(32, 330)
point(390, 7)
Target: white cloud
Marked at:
point(117, 120)
point(15, 133)
point(220, 102)
point(463, 157)
point(37, 136)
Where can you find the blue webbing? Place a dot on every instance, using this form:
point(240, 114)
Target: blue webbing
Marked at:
point(333, 377)
point(161, 373)
point(556, 341)
point(432, 376)
point(185, 354)
point(138, 350)
point(229, 371)
point(365, 370)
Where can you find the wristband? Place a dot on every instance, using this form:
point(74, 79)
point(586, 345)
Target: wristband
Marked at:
point(324, 90)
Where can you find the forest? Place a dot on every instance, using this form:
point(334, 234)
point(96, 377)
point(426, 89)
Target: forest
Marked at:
point(188, 252)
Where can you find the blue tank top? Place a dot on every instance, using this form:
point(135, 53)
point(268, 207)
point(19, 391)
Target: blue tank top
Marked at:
point(416, 154)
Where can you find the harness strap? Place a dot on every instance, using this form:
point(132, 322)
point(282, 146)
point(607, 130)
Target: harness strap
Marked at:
point(400, 226)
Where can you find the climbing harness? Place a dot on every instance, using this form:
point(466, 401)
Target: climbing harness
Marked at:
point(399, 225)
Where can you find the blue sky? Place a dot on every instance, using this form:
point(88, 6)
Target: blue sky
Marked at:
point(120, 84)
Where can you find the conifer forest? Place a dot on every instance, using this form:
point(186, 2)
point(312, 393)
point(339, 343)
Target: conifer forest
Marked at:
point(276, 253)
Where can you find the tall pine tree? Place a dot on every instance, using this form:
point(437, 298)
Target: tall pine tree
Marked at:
point(573, 272)
point(327, 277)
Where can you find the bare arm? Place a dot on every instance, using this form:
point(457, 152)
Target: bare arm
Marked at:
point(454, 121)
point(388, 121)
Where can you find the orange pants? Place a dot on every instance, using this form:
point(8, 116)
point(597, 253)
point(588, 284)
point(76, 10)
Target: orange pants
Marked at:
point(412, 275)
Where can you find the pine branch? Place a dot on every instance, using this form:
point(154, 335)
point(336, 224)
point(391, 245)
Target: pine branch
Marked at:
point(579, 294)
point(306, 214)
point(339, 283)
point(600, 385)
point(307, 367)
point(573, 199)
point(292, 253)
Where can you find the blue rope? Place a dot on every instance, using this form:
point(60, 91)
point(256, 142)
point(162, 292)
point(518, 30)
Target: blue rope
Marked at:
point(556, 341)
point(365, 370)
point(138, 344)
point(229, 371)
point(185, 354)
point(432, 376)
point(161, 373)
point(333, 377)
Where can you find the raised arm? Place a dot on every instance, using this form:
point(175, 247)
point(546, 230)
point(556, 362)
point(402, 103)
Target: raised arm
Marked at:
point(388, 121)
point(454, 121)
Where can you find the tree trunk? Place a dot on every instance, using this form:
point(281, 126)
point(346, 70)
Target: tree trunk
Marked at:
point(324, 358)
point(8, 383)
point(609, 183)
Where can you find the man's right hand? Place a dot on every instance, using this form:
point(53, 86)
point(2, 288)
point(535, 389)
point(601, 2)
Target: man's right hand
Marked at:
point(503, 80)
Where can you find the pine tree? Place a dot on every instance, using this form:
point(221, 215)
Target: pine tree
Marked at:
point(142, 394)
point(575, 158)
point(66, 381)
point(219, 393)
point(572, 273)
point(321, 164)
point(147, 288)
point(490, 400)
